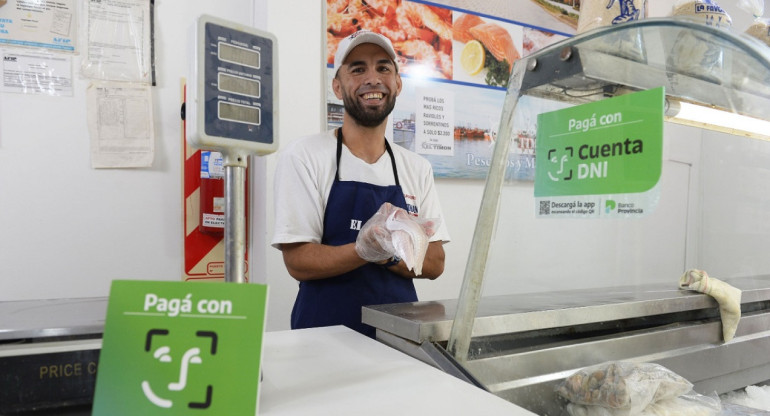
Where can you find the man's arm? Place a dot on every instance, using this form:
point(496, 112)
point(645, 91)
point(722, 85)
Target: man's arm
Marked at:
point(432, 267)
point(312, 261)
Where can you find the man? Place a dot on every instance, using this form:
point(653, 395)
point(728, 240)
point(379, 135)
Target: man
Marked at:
point(328, 186)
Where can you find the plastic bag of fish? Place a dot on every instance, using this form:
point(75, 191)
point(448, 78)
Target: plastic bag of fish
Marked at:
point(687, 405)
point(621, 388)
point(396, 232)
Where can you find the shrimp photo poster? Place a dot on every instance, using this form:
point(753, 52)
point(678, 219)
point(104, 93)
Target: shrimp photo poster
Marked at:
point(455, 64)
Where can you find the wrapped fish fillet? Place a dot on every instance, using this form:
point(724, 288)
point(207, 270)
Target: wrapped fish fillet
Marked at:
point(410, 238)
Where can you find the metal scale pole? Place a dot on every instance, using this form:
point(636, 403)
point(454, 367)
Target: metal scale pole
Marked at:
point(235, 216)
point(233, 112)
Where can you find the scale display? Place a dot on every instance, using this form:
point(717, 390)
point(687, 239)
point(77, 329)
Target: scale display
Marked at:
point(233, 100)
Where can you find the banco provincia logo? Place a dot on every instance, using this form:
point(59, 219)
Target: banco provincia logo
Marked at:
point(161, 393)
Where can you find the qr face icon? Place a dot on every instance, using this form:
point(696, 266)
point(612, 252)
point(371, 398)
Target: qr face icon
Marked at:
point(184, 362)
point(557, 170)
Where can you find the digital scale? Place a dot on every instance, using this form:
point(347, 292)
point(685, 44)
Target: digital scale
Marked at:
point(231, 108)
point(232, 96)
point(49, 349)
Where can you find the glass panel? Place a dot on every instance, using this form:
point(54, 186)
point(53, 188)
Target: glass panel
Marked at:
point(544, 296)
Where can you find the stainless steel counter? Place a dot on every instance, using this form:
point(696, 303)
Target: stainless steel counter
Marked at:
point(52, 318)
point(432, 320)
point(524, 344)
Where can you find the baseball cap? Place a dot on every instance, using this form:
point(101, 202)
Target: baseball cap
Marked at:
point(362, 36)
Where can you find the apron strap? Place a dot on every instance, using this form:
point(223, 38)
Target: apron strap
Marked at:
point(392, 161)
point(339, 155)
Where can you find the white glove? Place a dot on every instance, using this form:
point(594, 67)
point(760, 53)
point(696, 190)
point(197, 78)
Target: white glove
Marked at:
point(728, 298)
point(374, 243)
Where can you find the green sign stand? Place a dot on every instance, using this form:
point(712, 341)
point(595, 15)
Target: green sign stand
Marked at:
point(173, 348)
point(601, 159)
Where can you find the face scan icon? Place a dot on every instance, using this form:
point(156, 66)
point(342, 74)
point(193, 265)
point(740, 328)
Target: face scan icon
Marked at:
point(560, 162)
point(158, 393)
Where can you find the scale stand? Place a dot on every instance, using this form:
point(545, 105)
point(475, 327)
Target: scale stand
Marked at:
point(235, 216)
point(233, 101)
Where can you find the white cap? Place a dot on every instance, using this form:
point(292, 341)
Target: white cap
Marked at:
point(362, 36)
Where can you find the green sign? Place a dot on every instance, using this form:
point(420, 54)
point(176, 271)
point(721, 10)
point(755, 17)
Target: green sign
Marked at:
point(613, 146)
point(173, 348)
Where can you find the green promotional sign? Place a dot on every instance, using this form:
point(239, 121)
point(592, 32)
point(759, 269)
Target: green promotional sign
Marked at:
point(174, 348)
point(613, 146)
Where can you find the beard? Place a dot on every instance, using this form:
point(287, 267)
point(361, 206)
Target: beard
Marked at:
point(366, 116)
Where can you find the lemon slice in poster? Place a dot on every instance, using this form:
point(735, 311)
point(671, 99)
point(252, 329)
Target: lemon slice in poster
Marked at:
point(472, 57)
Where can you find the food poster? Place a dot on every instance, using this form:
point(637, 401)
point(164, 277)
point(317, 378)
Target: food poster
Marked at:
point(454, 65)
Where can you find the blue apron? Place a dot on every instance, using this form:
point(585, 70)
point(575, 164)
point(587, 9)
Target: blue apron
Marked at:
point(338, 300)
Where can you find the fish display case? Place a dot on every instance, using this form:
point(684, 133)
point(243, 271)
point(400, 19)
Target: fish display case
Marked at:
point(546, 295)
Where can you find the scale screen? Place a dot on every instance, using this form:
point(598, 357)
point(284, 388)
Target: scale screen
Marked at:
point(238, 85)
point(238, 55)
point(239, 113)
point(235, 83)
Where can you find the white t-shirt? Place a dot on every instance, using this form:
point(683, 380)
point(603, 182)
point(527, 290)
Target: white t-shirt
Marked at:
point(304, 177)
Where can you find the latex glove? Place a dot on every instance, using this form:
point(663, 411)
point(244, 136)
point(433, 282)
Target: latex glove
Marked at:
point(728, 298)
point(374, 243)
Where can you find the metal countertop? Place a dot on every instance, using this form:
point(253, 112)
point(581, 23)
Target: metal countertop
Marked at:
point(432, 320)
point(52, 318)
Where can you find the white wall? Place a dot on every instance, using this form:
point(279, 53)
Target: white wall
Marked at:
point(735, 222)
point(69, 230)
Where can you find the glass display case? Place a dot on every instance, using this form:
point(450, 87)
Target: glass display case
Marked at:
point(545, 295)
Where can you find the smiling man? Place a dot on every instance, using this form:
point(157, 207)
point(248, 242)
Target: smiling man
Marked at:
point(328, 186)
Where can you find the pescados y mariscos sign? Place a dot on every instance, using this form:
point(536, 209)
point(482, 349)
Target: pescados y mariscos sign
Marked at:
point(602, 158)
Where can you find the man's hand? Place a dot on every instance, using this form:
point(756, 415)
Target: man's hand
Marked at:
point(374, 243)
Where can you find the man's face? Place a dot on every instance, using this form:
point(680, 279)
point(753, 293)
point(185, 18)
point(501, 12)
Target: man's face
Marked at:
point(368, 84)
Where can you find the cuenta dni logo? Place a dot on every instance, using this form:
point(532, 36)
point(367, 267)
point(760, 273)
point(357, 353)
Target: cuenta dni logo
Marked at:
point(592, 159)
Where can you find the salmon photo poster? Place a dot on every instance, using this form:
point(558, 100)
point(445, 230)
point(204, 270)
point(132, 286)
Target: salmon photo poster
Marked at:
point(455, 64)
